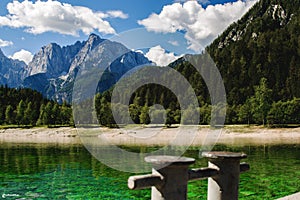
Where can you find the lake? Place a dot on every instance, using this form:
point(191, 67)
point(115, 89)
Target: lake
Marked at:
point(52, 171)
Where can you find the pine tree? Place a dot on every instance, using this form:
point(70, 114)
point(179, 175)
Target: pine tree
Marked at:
point(9, 115)
point(29, 114)
point(245, 112)
point(261, 101)
point(2, 115)
point(66, 114)
point(144, 116)
point(134, 111)
point(55, 114)
point(40, 120)
point(47, 115)
point(20, 113)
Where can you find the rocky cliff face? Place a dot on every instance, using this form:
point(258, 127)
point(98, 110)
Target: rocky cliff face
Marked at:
point(12, 72)
point(53, 60)
point(87, 46)
point(53, 69)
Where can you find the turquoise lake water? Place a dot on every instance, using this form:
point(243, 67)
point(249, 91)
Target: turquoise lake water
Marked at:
point(36, 171)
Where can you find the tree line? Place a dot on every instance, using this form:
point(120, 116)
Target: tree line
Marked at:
point(26, 107)
point(260, 103)
point(258, 58)
point(160, 108)
point(151, 103)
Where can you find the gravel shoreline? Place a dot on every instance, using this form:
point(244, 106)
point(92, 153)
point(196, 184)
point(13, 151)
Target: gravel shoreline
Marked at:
point(63, 135)
point(232, 135)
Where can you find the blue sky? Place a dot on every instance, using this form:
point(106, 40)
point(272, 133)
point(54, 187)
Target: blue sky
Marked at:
point(166, 28)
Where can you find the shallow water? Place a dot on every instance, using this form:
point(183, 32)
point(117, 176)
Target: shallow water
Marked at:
point(35, 171)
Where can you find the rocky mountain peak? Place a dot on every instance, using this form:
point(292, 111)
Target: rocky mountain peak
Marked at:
point(48, 60)
point(53, 69)
point(93, 41)
point(52, 46)
point(93, 37)
point(12, 72)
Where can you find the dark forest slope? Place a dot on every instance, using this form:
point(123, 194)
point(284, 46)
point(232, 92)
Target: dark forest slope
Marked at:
point(265, 43)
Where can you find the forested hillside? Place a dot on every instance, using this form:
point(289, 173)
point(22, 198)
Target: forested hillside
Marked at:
point(265, 43)
point(259, 60)
point(28, 107)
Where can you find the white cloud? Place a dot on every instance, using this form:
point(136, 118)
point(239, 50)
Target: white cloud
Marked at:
point(22, 55)
point(159, 55)
point(201, 25)
point(173, 42)
point(43, 16)
point(117, 14)
point(4, 43)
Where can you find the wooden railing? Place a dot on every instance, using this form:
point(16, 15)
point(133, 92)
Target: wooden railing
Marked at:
point(170, 176)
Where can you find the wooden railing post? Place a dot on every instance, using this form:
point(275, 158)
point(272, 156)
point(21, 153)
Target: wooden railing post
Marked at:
point(224, 185)
point(168, 180)
point(170, 176)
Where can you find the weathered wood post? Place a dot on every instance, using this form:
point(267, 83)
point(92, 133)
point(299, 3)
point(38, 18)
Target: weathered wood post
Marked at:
point(224, 185)
point(169, 177)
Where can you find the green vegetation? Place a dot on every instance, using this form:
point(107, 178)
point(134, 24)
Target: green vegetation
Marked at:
point(27, 108)
point(258, 108)
point(258, 58)
point(261, 45)
point(260, 67)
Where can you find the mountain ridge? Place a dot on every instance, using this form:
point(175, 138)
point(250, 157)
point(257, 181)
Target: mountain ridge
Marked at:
point(53, 68)
point(11, 71)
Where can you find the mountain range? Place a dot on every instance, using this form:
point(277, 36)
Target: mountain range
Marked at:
point(12, 72)
point(53, 69)
point(264, 43)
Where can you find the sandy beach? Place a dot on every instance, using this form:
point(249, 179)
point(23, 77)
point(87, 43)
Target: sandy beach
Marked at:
point(231, 135)
point(64, 135)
